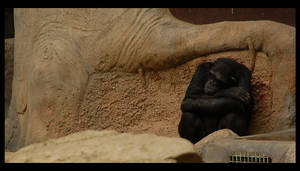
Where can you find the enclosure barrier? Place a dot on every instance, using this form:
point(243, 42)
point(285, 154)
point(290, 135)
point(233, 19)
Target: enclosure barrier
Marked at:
point(253, 157)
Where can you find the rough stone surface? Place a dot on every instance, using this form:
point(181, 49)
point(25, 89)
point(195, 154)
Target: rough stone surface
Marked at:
point(223, 133)
point(106, 146)
point(128, 69)
point(219, 145)
point(283, 135)
point(12, 125)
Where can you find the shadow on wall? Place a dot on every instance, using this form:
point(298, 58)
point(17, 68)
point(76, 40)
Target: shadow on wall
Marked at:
point(9, 31)
point(212, 15)
point(205, 16)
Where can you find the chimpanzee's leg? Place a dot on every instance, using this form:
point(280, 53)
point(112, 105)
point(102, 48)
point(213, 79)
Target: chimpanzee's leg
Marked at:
point(191, 127)
point(234, 121)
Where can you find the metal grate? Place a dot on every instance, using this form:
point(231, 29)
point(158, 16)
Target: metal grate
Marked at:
point(238, 157)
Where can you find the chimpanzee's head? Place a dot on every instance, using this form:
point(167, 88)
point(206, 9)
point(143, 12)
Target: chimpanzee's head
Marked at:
point(221, 75)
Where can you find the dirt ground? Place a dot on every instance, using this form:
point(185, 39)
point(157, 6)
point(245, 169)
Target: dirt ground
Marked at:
point(130, 102)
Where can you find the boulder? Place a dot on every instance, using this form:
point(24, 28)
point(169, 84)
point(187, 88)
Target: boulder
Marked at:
point(223, 133)
point(106, 146)
point(283, 135)
point(220, 150)
point(219, 145)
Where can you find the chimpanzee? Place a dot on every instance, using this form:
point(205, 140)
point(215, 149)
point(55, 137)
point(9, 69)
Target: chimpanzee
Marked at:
point(218, 96)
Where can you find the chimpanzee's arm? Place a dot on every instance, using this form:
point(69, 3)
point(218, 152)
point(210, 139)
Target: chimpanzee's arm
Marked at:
point(219, 106)
point(238, 93)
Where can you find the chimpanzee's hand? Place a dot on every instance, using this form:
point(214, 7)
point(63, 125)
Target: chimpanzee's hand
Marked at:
point(236, 92)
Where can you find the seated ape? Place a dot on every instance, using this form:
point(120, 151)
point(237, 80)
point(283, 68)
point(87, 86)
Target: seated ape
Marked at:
point(219, 96)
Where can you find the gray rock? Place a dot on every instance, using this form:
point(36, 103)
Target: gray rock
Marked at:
point(219, 145)
point(283, 135)
point(220, 150)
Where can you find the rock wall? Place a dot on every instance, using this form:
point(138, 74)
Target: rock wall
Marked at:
point(124, 102)
point(128, 69)
point(9, 71)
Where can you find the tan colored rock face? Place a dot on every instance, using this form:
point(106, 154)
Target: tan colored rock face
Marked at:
point(106, 146)
point(125, 69)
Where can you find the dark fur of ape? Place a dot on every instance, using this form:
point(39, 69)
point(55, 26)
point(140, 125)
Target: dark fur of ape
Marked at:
point(219, 96)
